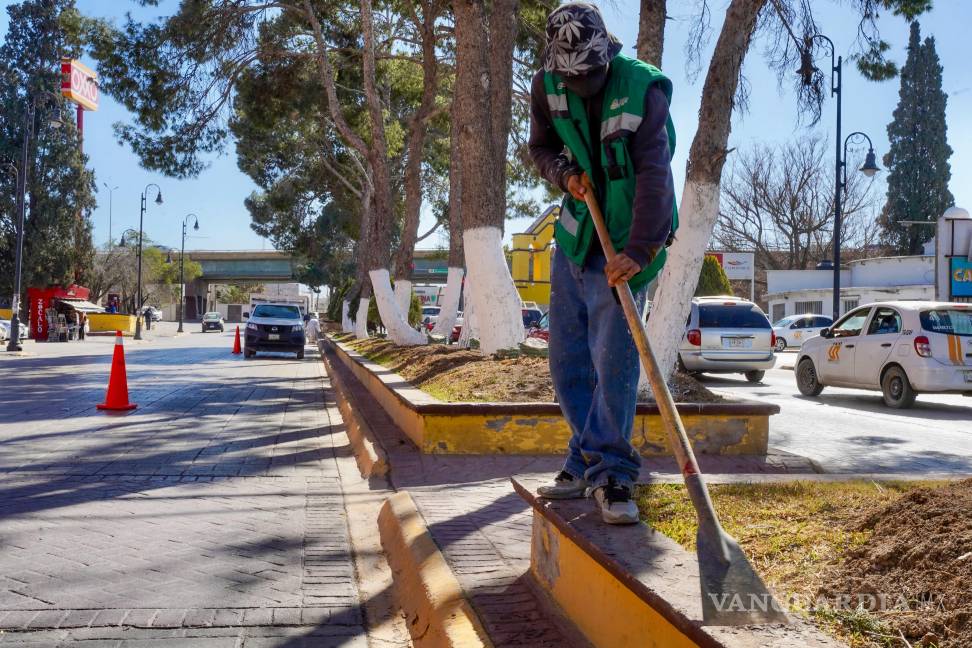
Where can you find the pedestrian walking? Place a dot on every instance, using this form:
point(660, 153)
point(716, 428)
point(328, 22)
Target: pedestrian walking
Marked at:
point(600, 113)
point(312, 330)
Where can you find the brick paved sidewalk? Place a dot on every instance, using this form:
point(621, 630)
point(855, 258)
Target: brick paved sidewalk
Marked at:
point(214, 515)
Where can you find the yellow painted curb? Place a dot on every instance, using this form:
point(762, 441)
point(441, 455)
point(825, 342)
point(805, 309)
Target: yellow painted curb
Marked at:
point(371, 458)
point(437, 612)
point(437, 427)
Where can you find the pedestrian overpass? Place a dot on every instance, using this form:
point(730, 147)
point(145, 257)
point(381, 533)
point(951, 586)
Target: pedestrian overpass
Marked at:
point(251, 266)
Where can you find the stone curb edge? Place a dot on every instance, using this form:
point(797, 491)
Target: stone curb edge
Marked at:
point(437, 611)
point(370, 457)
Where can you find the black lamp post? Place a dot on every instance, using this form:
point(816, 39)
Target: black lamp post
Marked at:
point(806, 71)
point(141, 218)
point(111, 196)
point(182, 265)
point(29, 114)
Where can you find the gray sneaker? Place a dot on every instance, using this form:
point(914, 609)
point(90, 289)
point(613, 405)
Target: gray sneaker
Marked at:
point(564, 486)
point(616, 504)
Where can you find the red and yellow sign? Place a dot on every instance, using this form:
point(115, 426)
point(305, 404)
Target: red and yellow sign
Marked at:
point(79, 84)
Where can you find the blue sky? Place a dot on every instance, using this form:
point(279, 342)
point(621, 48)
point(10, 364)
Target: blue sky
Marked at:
point(217, 195)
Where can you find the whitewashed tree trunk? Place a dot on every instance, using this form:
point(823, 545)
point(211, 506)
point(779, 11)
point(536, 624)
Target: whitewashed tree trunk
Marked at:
point(361, 323)
point(449, 306)
point(697, 216)
point(346, 324)
point(403, 295)
point(468, 331)
point(395, 324)
point(490, 291)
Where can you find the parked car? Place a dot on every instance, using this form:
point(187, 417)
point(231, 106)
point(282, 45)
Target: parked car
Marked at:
point(275, 327)
point(213, 321)
point(430, 315)
point(794, 330)
point(902, 348)
point(5, 330)
point(153, 312)
point(456, 328)
point(727, 335)
point(541, 329)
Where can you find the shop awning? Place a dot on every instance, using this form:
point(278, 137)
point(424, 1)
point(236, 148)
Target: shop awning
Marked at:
point(82, 305)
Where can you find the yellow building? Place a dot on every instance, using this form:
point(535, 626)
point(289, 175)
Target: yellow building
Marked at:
point(532, 256)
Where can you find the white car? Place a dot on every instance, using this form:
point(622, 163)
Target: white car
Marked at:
point(902, 348)
point(5, 330)
point(794, 330)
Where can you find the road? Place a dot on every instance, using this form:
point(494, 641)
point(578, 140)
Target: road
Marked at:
point(213, 515)
point(850, 430)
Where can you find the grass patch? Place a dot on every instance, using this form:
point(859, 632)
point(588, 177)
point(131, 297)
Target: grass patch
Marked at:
point(793, 533)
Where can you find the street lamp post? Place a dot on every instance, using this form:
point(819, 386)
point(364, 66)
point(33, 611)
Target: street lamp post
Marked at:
point(806, 71)
point(182, 265)
point(141, 218)
point(111, 195)
point(29, 114)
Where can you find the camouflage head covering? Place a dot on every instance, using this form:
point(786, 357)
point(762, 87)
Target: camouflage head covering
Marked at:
point(577, 40)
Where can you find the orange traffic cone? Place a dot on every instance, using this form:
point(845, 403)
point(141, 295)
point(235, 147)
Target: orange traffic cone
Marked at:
point(116, 398)
point(236, 343)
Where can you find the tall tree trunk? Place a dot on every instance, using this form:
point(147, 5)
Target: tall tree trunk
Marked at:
point(699, 209)
point(448, 307)
point(651, 31)
point(378, 236)
point(483, 63)
point(415, 146)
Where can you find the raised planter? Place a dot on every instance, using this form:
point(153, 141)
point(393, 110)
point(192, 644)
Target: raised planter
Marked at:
point(111, 322)
point(732, 428)
point(633, 587)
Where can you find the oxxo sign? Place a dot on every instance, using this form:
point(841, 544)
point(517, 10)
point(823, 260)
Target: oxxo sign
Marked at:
point(79, 84)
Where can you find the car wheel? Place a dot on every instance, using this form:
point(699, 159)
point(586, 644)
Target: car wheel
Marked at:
point(300, 354)
point(896, 389)
point(248, 353)
point(806, 377)
point(755, 376)
point(780, 344)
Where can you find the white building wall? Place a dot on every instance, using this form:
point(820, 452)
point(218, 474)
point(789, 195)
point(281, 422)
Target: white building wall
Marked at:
point(893, 271)
point(865, 281)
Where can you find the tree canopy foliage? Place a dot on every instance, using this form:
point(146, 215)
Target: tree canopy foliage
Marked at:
point(60, 191)
point(917, 162)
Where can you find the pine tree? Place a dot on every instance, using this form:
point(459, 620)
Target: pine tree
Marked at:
point(712, 279)
point(60, 191)
point(918, 157)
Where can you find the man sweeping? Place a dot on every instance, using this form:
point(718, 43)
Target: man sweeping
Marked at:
point(599, 113)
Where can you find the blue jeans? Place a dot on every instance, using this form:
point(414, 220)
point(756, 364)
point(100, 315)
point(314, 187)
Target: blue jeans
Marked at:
point(594, 365)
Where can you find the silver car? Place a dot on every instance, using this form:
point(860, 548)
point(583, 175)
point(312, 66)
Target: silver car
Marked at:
point(727, 335)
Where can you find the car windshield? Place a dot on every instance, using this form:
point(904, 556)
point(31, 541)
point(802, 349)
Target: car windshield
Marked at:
point(531, 317)
point(278, 311)
point(947, 320)
point(732, 316)
point(783, 322)
point(430, 310)
point(211, 316)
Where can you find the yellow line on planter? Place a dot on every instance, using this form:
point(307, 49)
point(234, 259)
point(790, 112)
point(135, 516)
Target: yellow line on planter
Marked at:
point(736, 428)
point(437, 612)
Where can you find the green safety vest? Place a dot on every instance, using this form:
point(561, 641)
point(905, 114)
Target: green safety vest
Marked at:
point(624, 104)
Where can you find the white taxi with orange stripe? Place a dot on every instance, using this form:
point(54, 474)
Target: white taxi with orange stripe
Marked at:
point(902, 348)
